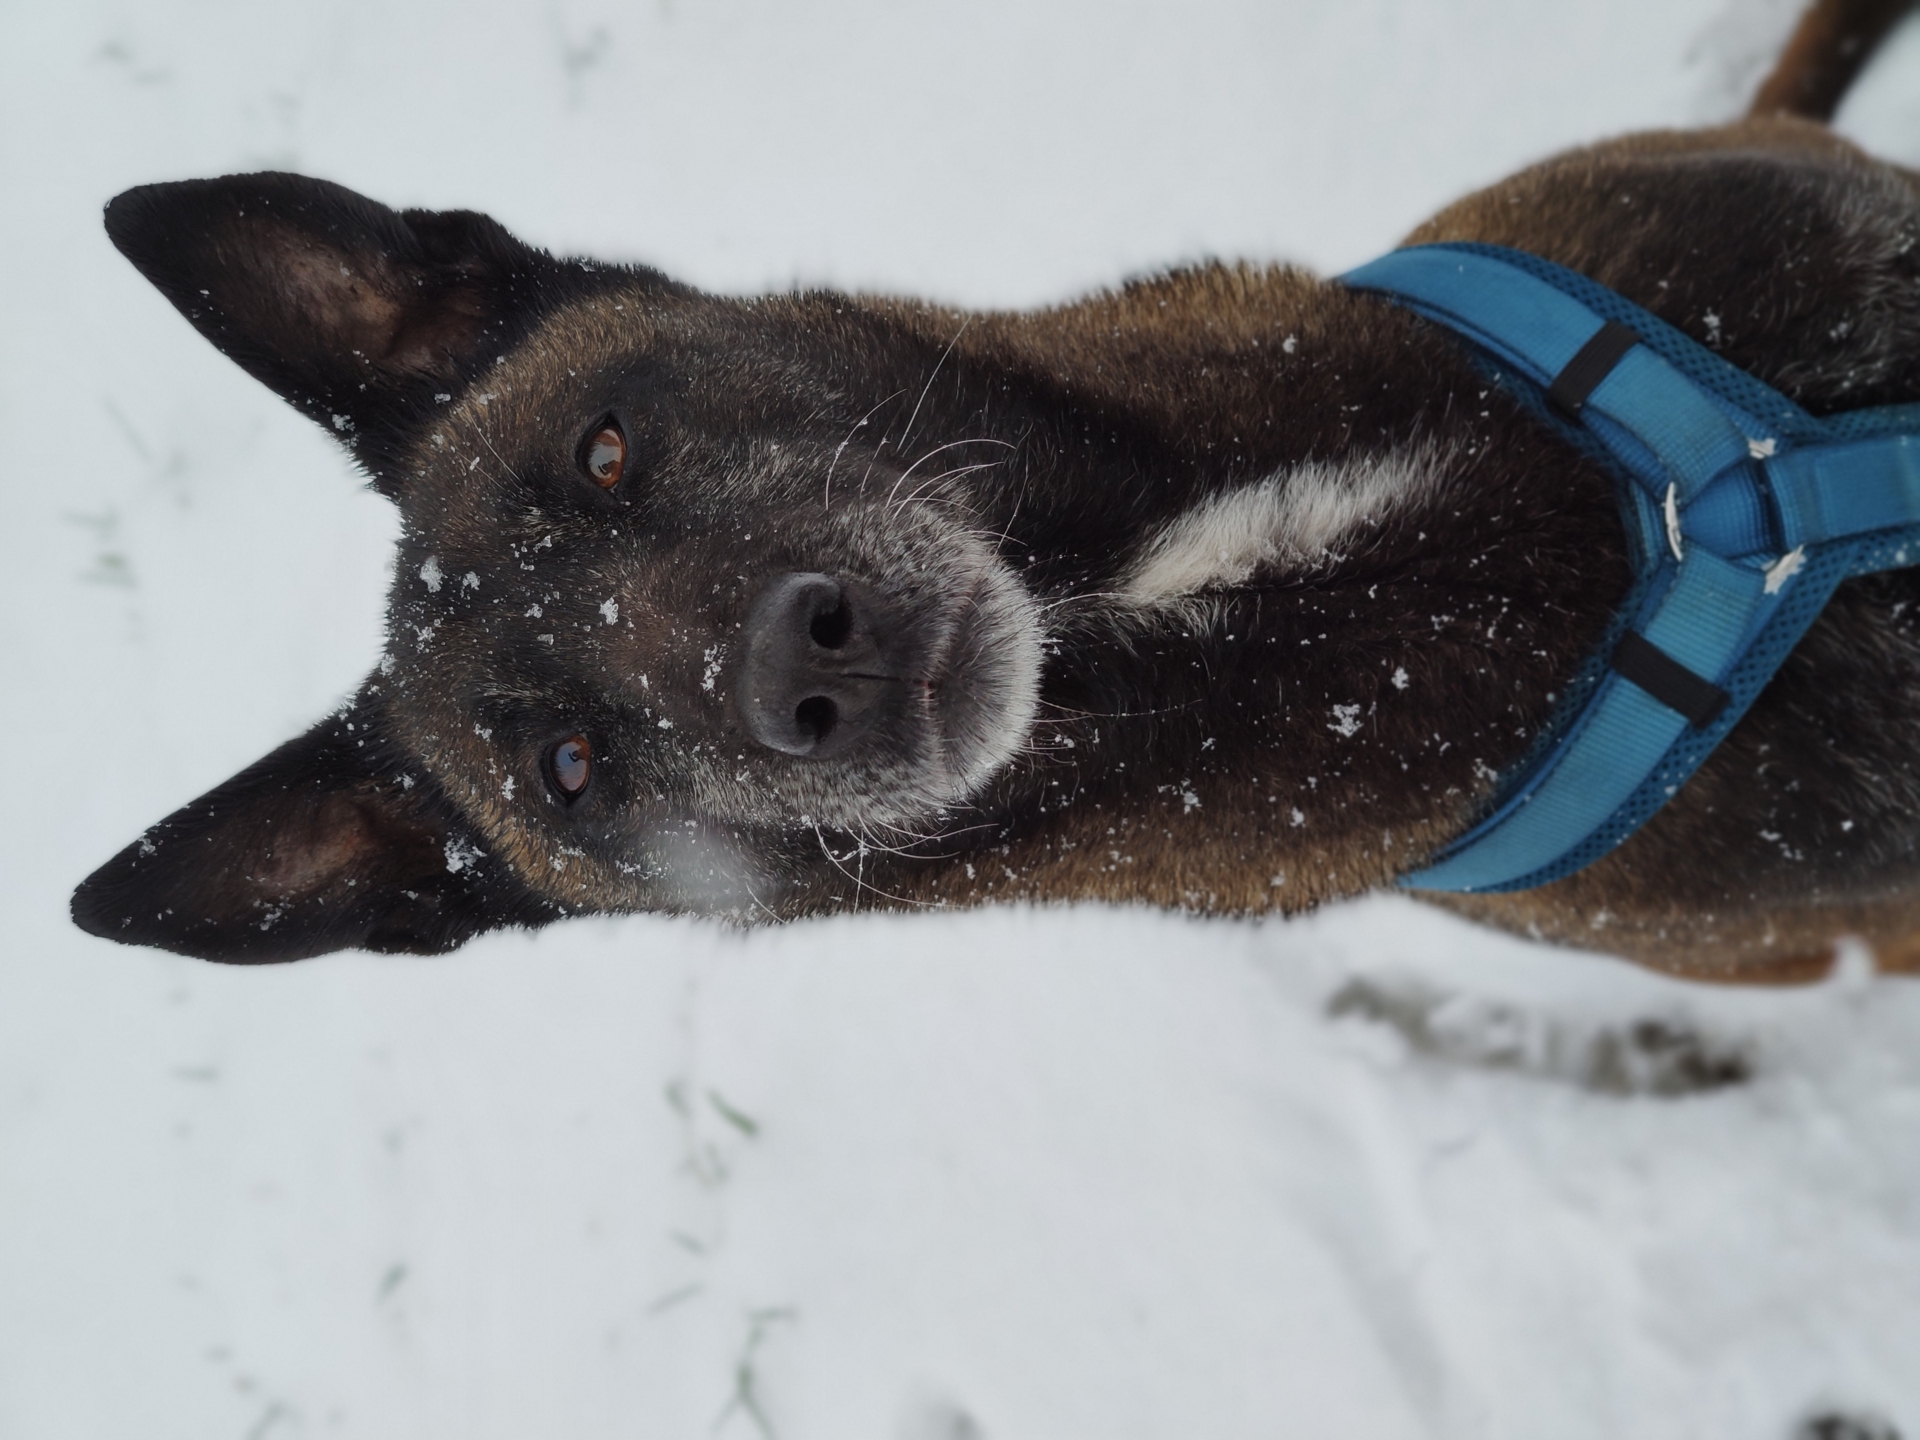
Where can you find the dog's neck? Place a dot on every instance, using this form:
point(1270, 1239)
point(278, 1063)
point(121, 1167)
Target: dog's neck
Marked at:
point(1338, 526)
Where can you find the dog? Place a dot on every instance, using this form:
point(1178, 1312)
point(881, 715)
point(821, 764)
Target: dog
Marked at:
point(1233, 589)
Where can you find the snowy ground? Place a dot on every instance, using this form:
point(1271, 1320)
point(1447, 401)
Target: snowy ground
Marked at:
point(1008, 1176)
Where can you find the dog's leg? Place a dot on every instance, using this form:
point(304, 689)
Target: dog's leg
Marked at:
point(1829, 48)
point(1899, 956)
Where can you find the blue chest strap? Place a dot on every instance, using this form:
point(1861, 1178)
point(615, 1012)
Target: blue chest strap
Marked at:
point(1743, 513)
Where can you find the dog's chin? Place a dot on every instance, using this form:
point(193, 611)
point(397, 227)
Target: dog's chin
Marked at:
point(984, 685)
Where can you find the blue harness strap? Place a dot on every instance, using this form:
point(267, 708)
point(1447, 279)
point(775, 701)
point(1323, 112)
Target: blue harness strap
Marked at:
point(1743, 514)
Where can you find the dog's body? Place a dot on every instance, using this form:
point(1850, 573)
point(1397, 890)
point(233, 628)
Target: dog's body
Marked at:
point(1234, 590)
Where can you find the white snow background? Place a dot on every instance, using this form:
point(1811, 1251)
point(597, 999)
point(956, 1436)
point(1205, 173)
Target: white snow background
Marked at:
point(1014, 1175)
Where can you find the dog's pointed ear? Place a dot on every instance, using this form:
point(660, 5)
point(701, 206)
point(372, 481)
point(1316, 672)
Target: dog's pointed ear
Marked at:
point(325, 844)
point(357, 314)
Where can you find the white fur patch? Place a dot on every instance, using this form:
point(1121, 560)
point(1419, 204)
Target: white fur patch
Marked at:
point(1296, 520)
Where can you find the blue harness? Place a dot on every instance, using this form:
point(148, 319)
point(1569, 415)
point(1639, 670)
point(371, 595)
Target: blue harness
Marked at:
point(1743, 513)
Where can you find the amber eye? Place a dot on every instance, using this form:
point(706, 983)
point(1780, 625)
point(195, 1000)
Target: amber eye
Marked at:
point(570, 764)
point(605, 456)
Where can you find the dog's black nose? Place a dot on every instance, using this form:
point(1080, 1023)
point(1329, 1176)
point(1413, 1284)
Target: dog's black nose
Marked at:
point(815, 675)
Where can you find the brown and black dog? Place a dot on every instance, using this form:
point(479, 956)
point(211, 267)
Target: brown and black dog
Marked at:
point(1233, 590)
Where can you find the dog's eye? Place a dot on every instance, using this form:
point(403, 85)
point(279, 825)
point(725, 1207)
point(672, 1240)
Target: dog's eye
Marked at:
point(605, 456)
point(570, 764)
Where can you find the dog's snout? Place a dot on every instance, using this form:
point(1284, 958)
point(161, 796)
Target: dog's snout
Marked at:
point(814, 677)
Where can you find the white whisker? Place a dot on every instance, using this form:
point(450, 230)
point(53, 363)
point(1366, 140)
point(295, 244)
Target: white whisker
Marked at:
point(907, 433)
point(491, 451)
point(933, 480)
point(826, 497)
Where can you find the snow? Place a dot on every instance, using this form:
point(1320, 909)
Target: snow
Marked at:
point(1054, 1174)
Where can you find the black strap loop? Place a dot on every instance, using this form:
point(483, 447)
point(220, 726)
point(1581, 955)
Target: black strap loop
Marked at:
point(1644, 663)
point(1590, 364)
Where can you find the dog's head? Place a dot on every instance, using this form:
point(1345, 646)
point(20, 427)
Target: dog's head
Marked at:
point(679, 587)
